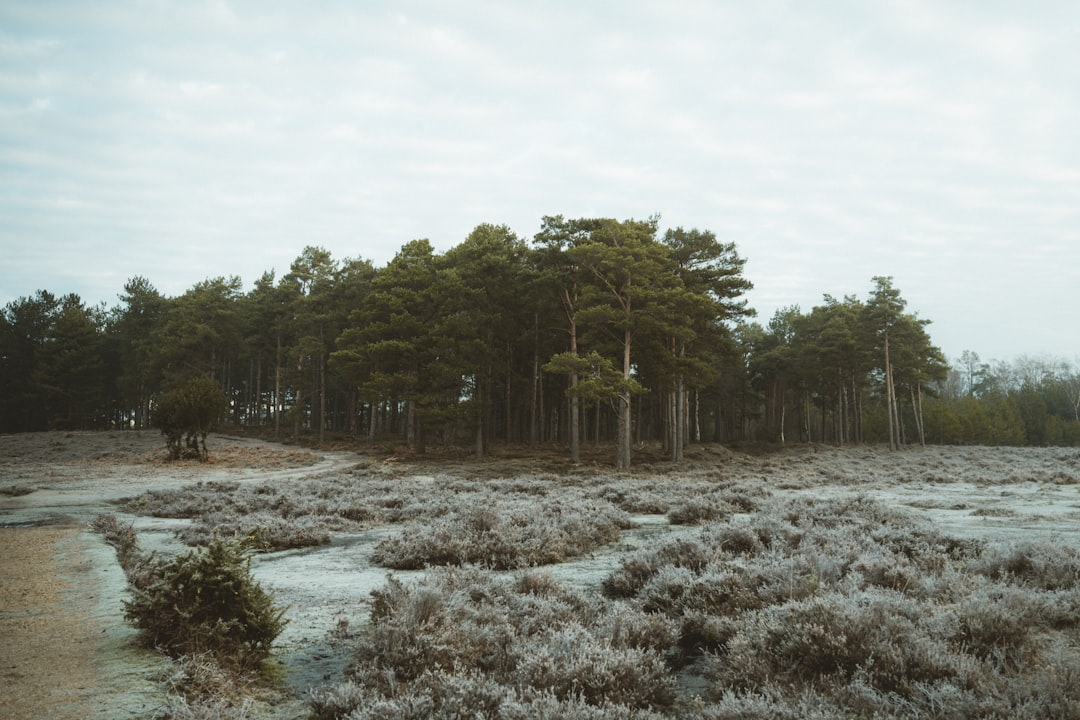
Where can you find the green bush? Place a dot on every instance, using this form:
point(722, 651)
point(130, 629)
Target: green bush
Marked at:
point(187, 414)
point(206, 601)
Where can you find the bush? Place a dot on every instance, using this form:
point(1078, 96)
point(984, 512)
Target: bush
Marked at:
point(464, 643)
point(187, 414)
point(574, 662)
point(121, 537)
point(206, 601)
point(504, 535)
point(1044, 565)
point(698, 510)
point(878, 637)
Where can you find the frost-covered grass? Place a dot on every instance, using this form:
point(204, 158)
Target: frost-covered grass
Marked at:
point(466, 643)
point(446, 520)
point(855, 606)
point(819, 608)
point(505, 534)
point(806, 590)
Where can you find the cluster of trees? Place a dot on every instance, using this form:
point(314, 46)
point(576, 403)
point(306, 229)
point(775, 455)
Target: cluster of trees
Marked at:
point(816, 371)
point(855, 371)
point(593, 330)
point(1028, 401)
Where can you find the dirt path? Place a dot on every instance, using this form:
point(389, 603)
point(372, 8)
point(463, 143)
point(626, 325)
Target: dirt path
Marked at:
point(65, 650)
point(49, 653)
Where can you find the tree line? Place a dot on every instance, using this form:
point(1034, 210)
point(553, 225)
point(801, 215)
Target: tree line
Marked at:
point(595, 330)
point(866, 371)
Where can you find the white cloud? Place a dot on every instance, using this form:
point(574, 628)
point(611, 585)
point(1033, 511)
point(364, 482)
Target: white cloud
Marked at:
point(830, 142)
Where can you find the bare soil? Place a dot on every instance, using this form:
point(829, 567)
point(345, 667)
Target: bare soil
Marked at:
point(67, 653)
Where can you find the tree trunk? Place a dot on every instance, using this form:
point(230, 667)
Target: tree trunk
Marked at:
point(478, 444)
point(890, 394)
point(916, 404)
point(575, 402)
point(509, 434)
point(622, 450)
point(410, 424)
point(534, 424)
point(322, 383)
point(783, 411)
point(277, 389)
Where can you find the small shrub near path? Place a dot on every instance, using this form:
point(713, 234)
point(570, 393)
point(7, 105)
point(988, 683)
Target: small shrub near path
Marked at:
point(206, 601)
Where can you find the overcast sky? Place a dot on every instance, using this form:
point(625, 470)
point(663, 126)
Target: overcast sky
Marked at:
point(934, 141)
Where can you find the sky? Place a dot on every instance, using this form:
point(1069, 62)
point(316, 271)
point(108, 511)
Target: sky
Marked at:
point(932, 141)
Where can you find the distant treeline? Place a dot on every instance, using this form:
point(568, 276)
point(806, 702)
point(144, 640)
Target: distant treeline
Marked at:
point(594, 330)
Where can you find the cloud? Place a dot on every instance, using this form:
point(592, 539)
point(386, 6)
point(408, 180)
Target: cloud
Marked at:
point(831, 142)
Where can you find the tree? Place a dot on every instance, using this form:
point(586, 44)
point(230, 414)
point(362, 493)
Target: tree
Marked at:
point(633, 285)
point(883, 312)
point(199, 333)
point(69, 373)
point(920, 364)
point(310, 282)
point(134, 325)
point(774, 368)
point(713, 285)
point(488, 273)
point(398, 347)
point(187, 414)
point(25, 329)
point(560, 272)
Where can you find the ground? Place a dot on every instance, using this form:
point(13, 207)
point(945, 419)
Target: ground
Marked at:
point(67, 652)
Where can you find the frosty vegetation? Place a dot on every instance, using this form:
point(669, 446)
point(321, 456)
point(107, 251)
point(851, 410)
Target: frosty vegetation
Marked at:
point(776, 599)
point(804, 608)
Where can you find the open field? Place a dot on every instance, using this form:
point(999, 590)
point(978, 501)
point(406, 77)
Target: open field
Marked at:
point(805, 581)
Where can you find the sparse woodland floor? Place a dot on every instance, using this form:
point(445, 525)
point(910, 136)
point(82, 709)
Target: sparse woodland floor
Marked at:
point(799, 582)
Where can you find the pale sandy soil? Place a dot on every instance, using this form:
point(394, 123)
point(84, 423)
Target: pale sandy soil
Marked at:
point(66, 652)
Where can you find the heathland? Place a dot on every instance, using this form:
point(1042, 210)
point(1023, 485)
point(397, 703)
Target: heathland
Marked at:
point(746, 581)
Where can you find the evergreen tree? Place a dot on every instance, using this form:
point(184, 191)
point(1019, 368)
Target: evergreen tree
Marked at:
point(69, 372)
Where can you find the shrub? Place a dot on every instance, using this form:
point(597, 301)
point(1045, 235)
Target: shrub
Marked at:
point(877, 635)
point(187, 414)
point(259, 532)
point(636, 571)
point(1044, 565)
point(464, 643)
point(995, 624)
point(121, 537)
point(698, 510)
point(573, 662)
point(206, 601)
point(504, 535)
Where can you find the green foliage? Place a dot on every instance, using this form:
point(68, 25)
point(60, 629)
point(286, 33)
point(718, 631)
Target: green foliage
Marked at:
point(450, 346)
point(206, 601)
point(187, 414)
point(52, 372)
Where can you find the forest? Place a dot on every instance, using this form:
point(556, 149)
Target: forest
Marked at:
point(596, 331)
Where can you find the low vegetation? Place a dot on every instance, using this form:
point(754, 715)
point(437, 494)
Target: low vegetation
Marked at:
point(467, 643)
point(205, 601)
point(187, 414)
point(820, 608)
point(205, 612)
point(764, 600)
point(503, 535)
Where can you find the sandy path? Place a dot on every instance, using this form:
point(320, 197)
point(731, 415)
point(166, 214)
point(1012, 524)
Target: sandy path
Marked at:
point(50, 657)
point(65, 650)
